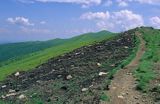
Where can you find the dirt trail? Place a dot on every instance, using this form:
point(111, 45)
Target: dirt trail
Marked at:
point(122, 88)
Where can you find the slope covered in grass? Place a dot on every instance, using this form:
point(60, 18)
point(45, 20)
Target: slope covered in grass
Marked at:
point(15, 50)
point(29, 61)
point(145, 72)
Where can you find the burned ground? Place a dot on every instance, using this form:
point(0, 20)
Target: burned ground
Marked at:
point(71, 78)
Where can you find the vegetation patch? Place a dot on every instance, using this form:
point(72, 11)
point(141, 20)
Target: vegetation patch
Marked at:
point(145, 72)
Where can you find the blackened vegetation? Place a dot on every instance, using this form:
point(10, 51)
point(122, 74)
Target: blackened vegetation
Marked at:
point(71, 78)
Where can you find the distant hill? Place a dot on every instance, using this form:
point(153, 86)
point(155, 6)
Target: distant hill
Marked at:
point(27, 55)
point(14, 50)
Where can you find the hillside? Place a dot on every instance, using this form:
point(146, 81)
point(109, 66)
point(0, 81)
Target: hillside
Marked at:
point(25, 56)
point(79, 76)
point(16, 50)
point(123, 68)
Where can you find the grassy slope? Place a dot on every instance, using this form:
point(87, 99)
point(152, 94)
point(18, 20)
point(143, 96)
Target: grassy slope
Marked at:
point(32, 60)
point(15, 50)
point(145, 72)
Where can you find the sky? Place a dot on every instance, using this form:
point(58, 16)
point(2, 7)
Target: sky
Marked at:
point(32, 20)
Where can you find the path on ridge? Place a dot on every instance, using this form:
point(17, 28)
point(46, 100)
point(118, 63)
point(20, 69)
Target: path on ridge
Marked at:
point(122, 88)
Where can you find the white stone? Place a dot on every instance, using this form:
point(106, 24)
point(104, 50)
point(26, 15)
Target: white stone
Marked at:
point(17, 74)
point(98, 64)
point(112, 65)
point(4, 86)
point(102, 73)
point(69, 77)
point(84, 89)
point(126, 47)
point(11, 94)
point(3, 97)
point(121, 97)
point(91, 86)
point(21, 97)
point(11, 91)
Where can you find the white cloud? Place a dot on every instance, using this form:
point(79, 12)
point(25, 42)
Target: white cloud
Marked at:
point(103, 25)
point(115, 21)
point(156, 2)
point(82, 2)
point(26, 1)
point(127, 19)
point(96, 15)
point(20, 21)
point(155, 21)
point(122, 3)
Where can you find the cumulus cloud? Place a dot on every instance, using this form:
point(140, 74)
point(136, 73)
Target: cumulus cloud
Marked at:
point(96, 15)
point(155, 21)
point(20, 21)
point(122, 3)
point(127, 19)
point(115, 21)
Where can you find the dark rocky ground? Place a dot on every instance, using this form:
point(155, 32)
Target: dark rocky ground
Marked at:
point(72, 78)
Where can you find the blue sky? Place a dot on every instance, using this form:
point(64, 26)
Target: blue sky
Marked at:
point(28, 20)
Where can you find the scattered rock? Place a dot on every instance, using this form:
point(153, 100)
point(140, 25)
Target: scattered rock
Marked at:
point(129, 73)
point(98, 64)
point(4, 86)
point(121, 97)
point(38, 81)
point(112, 65)
point(3, 97)
point(77, 53)
point(72, 65)
point(135, 97)
point(17, 74)
point(126, 47)
point(53, 70)
point(102, 73)
point(11, 91)
point(21, 97)
point(59, 76)
point(91, 86)
point(11, 94)
point(84, 89)
point(69, 77)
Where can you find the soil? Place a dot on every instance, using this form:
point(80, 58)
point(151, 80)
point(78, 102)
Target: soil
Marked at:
point(123, 87)
point(73, 78)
